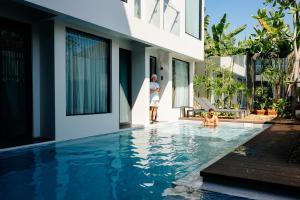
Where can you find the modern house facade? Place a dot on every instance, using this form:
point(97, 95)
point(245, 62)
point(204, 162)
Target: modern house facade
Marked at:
point(77, 69)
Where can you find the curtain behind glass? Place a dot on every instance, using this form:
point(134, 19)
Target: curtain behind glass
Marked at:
point(87, 73)
point(192, 17)
point(180, 83)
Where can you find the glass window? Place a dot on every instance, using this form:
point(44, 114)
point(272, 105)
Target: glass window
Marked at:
point(153, 65)
point(180, 83)
point(192, 18)
point(87, 73)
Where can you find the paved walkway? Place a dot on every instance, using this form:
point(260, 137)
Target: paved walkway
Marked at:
point(268, 162)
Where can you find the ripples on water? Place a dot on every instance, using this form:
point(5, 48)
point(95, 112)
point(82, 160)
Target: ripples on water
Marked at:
point(138, 164)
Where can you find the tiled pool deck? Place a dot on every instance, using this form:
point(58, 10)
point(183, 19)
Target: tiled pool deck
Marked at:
point(270, 162)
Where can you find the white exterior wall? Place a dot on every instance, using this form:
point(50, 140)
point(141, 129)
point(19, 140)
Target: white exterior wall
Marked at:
point(70, 127)
point(117, 17)
point(237, 62)
point(164, 59)
point(140, 86)
point(110, 19)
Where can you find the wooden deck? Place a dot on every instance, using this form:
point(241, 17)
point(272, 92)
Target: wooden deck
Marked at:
point(269, 162)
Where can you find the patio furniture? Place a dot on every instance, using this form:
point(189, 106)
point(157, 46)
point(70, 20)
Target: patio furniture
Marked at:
point(206, 105)
point(186, 111)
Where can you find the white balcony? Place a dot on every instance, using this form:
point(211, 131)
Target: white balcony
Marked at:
point(171, 19)
point(157, 23)
point(236, 63)
point(152, 12)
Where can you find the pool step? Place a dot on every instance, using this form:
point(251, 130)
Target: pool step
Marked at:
point(188, 187)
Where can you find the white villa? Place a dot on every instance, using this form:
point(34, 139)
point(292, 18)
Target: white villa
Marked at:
point(72, 69)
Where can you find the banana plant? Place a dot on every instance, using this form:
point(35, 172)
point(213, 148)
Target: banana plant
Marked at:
point(288, 39)
point(221, 43)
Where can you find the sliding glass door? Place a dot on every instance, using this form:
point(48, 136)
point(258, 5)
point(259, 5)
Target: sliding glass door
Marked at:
point(180, 83)
point(15, 83)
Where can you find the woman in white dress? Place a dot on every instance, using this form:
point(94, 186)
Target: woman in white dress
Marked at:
point(154, 97)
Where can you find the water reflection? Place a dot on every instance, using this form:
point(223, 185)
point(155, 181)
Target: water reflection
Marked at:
point(131, 165)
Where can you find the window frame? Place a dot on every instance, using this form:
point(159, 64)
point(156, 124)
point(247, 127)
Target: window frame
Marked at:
point(173, 68)
point(200, 22)
point(108, 68)
point(155, 69)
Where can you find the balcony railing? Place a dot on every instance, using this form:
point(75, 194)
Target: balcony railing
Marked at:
point(152, 13)
point(137, 8)
point(171, 20)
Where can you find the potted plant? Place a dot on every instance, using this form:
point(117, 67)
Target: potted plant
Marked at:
point(260, 102)
point(283, 108)
point(271, 107)
point(259, 107)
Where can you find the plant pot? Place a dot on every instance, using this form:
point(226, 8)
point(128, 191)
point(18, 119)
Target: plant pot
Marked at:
point(271, 112)
point(260, 112)
point(297, 114)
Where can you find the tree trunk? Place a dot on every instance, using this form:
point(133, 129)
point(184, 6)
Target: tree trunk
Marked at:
point(250, 81)
point(292, 88)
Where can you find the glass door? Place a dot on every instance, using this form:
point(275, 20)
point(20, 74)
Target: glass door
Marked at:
point(125, 88)
point(15, 83)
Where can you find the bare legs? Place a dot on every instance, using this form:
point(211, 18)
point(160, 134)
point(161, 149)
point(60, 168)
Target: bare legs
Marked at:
point(153, 113)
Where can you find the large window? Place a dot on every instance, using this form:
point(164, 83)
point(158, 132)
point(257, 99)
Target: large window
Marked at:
point(193, 18)
point(87, 73)
point(180, 83)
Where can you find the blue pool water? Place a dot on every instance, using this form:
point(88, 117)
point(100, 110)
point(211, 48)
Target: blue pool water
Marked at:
point(137, 164)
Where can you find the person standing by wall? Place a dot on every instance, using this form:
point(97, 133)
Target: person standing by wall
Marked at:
point(154, 97)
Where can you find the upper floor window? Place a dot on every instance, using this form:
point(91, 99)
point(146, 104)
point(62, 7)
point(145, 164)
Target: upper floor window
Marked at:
point(193, 18)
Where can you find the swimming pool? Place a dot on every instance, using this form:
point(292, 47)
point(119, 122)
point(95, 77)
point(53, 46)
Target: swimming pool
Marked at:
point(137, 164)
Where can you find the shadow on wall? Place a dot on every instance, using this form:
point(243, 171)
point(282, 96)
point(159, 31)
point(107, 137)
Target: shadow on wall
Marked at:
point(163, 61)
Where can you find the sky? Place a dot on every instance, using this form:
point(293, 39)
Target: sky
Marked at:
point(239, 12)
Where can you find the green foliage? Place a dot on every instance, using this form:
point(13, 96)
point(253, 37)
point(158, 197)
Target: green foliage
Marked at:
point(283, 108)
point(220, 43)
point(274, 35)
point(274, 75)
point(262, 100)
point(220, 82)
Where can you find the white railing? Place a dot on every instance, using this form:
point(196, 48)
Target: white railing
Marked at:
point(152, 12)
point(137, 9)
point(171, 19)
